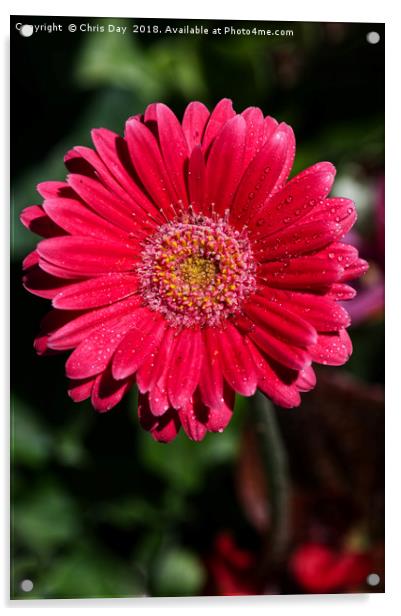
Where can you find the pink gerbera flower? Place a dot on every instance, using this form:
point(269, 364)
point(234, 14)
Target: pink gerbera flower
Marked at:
point(179, 258)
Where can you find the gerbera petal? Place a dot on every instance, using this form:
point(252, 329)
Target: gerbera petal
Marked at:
point(36, 220)
point(237, 365)
point(152, 368)
point(298, 240)
point(281, 322)
point(74, 328)
point(31, 260)
point(220, 115)
point(163, 429)
point(174, 149)
point(261, 176)
point(359, 267)
point(336, 209)
point(81, 389)
point(106, 204)
point(219, 417)
point(289, 159)
point(50, 324)
point(95, 292)
point(194, 121)
point(137, 345)
point(107, 392)
point(196, 179)
point(60, 272)
point(341, 292)
point(344, 254)
point(226, 161)
point(149, 165)
point(158, 397)
point(269, 126)
point(86, 255)
point(94, 353)
point(113, 150)
point(280, 391)
point(322, 313)
point(332, 349)
point(301, 273)
point(306, 379)
point(52, 189)
point(281, 351)
point(185, 365)
point(75, 218)
point(101, 171)
point(211, 376)
point(43, 284)
point(76, 163)
point(254, 133)
point(191, 415)
point(298, 197)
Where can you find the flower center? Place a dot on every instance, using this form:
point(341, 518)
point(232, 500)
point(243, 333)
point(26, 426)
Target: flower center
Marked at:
point(197, 270)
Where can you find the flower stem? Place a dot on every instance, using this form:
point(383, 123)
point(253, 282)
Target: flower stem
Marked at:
point(276, 466)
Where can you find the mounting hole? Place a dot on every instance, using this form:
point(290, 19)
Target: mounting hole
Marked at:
point(26, 585)
point(373, 37)
point(373, 579)
point(26, 30)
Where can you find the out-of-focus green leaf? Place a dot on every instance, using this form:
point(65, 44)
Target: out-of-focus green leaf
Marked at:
point(30, 443)
point(110, 59)
point(178, 573)
point(168, 66)
point(129, 513)
point(177, 66)
point(84, 573)
point(184, 463)
point(70, 450)
point(343, 143)
point(45, 519)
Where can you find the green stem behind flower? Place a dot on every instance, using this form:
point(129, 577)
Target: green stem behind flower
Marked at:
point(275, 463)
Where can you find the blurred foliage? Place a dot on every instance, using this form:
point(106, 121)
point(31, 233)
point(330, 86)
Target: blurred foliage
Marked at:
point(99, 509)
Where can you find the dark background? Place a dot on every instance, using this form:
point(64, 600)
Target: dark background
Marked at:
point(99, 509)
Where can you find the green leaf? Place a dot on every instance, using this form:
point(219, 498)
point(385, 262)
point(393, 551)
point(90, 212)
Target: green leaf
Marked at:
point(178, 573)
point(86, 572)
point(30, 442)
point(183, 463)
point(45, 519)
point(109, 59)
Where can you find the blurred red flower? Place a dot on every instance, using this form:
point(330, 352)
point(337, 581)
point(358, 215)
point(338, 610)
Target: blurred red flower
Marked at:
point(318, 568)
point(231, 569)
point(179, 257)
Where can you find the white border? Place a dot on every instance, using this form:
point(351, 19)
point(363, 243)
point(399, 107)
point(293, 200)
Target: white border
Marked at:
point(303, 10)
point(307, 10)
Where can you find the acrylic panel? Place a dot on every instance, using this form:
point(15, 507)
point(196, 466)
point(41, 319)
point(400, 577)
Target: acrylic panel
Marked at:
point(197, 307)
